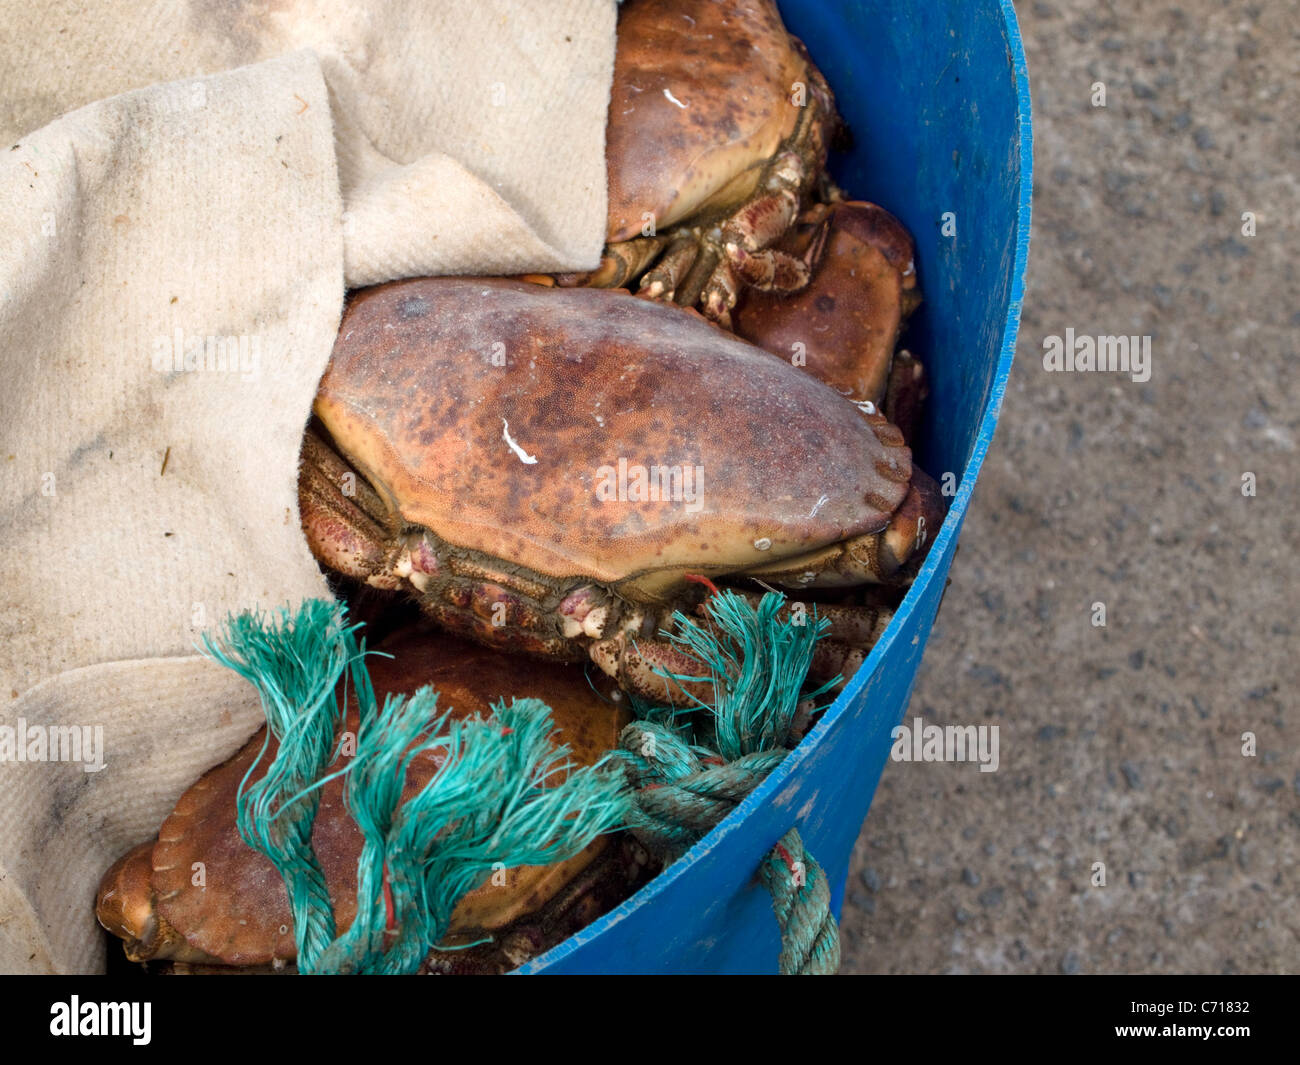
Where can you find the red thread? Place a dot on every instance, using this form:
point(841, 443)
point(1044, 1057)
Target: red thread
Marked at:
point(699, 578)
point(390, 924)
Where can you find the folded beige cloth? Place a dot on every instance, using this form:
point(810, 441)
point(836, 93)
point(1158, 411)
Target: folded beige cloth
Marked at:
point(187, 190)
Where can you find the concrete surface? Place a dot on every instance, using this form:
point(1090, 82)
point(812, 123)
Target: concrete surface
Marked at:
point(1123, 744)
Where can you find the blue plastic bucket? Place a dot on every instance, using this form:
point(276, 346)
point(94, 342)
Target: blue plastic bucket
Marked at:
point(938, 97)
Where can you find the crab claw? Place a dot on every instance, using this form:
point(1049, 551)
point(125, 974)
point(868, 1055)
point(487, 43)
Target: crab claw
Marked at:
point(884, 557)
point(125, 902)
point(906, 539)
point(126, 907)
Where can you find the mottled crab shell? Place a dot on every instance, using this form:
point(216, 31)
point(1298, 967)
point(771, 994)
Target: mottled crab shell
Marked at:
point(240, 915)
point(847, 320)
point(701, 100)
point(512, 460)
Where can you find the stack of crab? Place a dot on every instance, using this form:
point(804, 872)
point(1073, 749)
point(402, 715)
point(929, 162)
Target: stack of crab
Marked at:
point(550, 466)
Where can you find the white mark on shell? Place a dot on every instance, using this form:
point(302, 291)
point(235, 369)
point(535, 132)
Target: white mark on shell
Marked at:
point(865, 405)
point(818, 506)
point(673, 99)
point(762, 543)
point(524, 457)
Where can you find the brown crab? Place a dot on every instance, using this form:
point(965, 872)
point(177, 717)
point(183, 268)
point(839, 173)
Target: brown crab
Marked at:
point(239, 915)
point(718, 130)
point(843, 326)
point(547, 470)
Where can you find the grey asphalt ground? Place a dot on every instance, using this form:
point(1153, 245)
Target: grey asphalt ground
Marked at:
point(1123, 744)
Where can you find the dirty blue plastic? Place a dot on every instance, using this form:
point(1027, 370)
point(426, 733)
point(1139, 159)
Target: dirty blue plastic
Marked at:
point(938, 97)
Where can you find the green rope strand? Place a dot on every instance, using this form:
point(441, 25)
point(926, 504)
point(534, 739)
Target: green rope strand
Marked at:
point(294, 661)
point(503, 793)
point(685, 780)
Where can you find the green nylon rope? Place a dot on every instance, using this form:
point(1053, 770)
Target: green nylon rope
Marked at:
point(687, 775)
point(490, 803)
point(801, 897)
point(497, 797)
point(295, 662)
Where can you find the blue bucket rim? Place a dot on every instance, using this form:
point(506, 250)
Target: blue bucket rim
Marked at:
point(938, 550)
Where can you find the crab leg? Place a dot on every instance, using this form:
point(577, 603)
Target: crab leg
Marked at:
point(639, 662)
point(852, 632)
point(906, 392)
point(338, 511)
point(621, 264)
point(666, 277)
point(767, 270)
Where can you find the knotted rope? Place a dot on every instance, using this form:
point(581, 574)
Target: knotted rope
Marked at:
point(681, 789)
point(493, 800)
point(801, 897)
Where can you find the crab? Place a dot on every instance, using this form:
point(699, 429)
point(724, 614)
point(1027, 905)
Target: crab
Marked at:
point(238, 915)
point(718, 131)
point(844, 325)
point(555, 471)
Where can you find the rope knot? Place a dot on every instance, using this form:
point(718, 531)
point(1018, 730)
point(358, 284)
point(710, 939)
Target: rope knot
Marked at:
point(680, 792)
